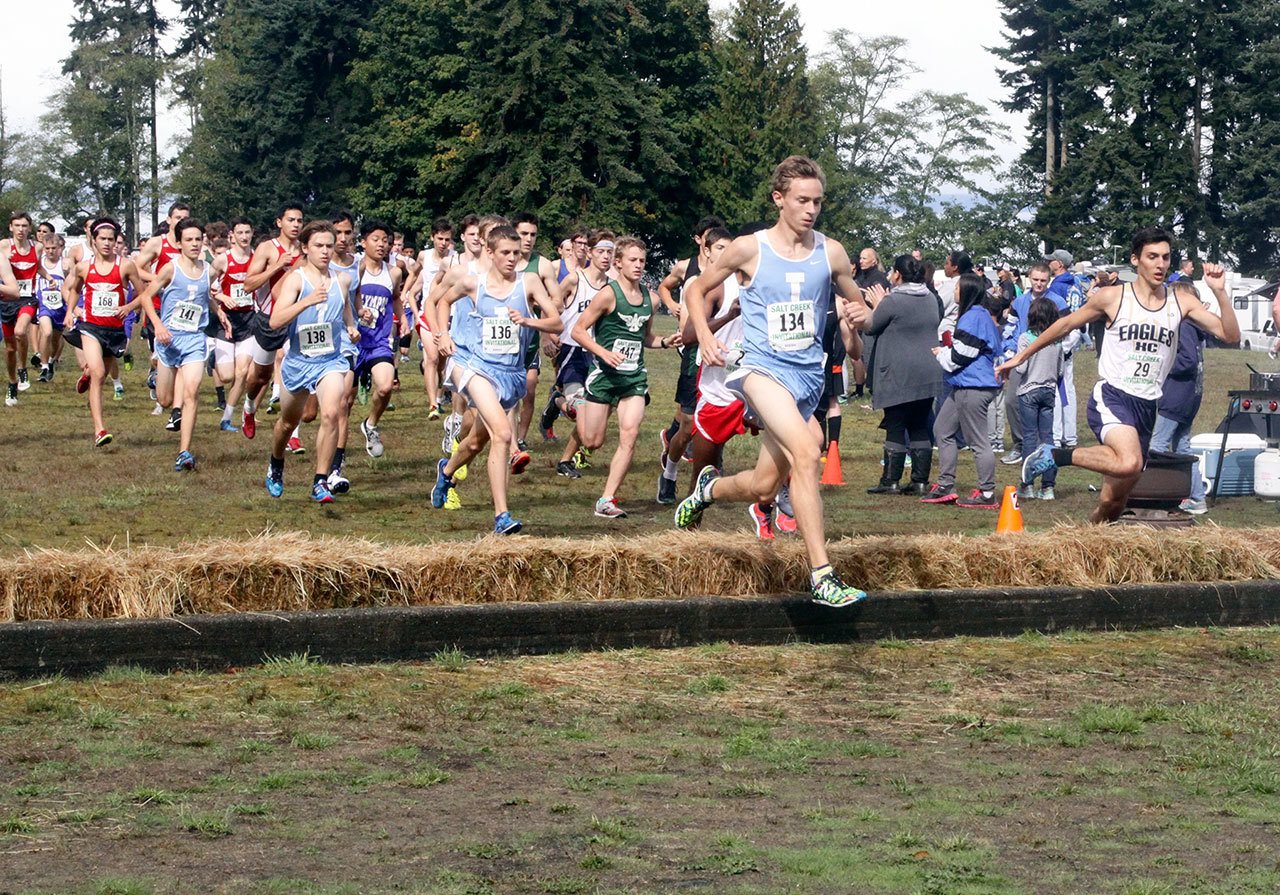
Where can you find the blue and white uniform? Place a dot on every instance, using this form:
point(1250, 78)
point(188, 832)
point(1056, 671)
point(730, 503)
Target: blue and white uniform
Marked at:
point(49, 288)
point(184, 311)
point(318, 343)
point(375, 339)
point(784, 308)
point(491, 344)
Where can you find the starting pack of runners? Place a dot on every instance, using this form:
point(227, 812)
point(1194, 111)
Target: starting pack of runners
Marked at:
point(316, 322)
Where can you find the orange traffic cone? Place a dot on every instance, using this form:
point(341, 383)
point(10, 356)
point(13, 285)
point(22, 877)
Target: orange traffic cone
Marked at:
point(1010, 520)
point(831, 471)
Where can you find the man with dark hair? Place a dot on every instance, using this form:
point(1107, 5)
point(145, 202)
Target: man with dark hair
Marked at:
point(1143, 322)
point(956, 264)
point(23, 256)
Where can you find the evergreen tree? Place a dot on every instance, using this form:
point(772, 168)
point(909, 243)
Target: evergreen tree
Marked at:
point(575, 113)
point(277, 110)
point(766, 108)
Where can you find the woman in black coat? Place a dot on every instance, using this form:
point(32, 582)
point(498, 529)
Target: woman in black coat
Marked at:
point(906, 376)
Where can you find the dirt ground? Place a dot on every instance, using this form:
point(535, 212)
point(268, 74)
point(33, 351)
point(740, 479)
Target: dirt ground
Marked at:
point(1126, 763)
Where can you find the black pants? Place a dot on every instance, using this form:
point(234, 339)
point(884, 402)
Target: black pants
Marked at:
point(908, 426)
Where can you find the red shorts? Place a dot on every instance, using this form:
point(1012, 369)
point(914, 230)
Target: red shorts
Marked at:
point(9, 325)
point(718, 424)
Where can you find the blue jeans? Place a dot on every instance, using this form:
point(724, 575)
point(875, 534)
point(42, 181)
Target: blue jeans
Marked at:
point(1036, 409)
point(1171, 435)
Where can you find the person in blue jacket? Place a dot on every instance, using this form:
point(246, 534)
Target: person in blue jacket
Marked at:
point(969, 368)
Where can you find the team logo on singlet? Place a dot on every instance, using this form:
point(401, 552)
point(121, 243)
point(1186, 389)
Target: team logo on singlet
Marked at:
point(634, 321)
point(1146, 336)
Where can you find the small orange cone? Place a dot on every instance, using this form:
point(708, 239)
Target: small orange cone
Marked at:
point(1010, 516)
point(831, 470)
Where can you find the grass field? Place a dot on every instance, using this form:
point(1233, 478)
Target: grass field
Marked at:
point(1132, 764)
point(61, 492)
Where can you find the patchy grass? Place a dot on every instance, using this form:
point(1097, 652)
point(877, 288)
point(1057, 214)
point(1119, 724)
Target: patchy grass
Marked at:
point(385, 506)
point(1138, 762)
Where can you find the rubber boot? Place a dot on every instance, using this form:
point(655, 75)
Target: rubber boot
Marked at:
point(921, 467)
point(894, 463)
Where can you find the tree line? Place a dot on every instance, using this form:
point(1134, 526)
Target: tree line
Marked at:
point(645, 115)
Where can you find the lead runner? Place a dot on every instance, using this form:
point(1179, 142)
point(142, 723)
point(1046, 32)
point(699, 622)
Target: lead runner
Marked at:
point(1138, 350)
point(789, 271)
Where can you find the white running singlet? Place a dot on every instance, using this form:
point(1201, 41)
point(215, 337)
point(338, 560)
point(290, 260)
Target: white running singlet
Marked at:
point(1140, 345)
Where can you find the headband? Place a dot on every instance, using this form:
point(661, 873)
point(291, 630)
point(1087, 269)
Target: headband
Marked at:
point(603, 244)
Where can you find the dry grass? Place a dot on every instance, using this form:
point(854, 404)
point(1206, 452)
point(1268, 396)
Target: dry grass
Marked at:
point(292, 571)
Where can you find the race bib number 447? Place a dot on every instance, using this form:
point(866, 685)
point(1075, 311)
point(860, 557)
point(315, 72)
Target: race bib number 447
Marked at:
point(791, 325)
point(630, 351)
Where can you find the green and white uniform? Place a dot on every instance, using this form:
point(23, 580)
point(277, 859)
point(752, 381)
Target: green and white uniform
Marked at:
point(532, 354)
point(623, 330)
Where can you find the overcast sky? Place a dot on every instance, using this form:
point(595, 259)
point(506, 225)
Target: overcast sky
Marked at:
point(946, 37)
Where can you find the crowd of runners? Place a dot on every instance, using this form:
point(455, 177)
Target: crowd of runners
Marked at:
point(316, 319)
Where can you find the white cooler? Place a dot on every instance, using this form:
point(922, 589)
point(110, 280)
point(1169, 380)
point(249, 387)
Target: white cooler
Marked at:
point(1243, 449)
point(1266, 474)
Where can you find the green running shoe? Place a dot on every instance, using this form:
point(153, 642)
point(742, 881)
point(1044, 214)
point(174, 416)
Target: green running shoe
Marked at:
point(831, 591)
point(689, 512)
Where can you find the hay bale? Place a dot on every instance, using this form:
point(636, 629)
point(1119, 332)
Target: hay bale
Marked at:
point(291, 571)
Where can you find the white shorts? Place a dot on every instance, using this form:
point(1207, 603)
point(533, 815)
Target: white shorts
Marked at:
point(225, 354)
point(261, 356)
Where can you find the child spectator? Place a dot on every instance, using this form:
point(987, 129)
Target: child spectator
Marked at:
point(1037, 393)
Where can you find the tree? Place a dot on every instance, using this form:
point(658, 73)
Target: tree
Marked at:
point(117, 50)
point(766, 109)
point(276, 110)
point(905, 170)
point(574, 113)
point(201, 20)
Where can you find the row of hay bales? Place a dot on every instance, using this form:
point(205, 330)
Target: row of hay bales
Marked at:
point(278, 571)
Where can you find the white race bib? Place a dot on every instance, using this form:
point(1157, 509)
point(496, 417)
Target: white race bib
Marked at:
point(51, 299)
point(26, 288)
point(630, 351)
point(733, 358)
point(791, 325)
point(103, 302)
point(185, 317)
point(240, 298)
point(316, 339)
point(500, 336)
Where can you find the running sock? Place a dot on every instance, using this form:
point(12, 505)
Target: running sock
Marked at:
point(857, 391)
point(339, 455)
point(833, 428)
point(277, 467)
point(222, 394)
point(671, 471)
point(275, 393)
point(672, 430)
point(816, 575)
point(320, 477)
point(226, 413)
point(116, 383)
point(1062, 456)
point(296, 430)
